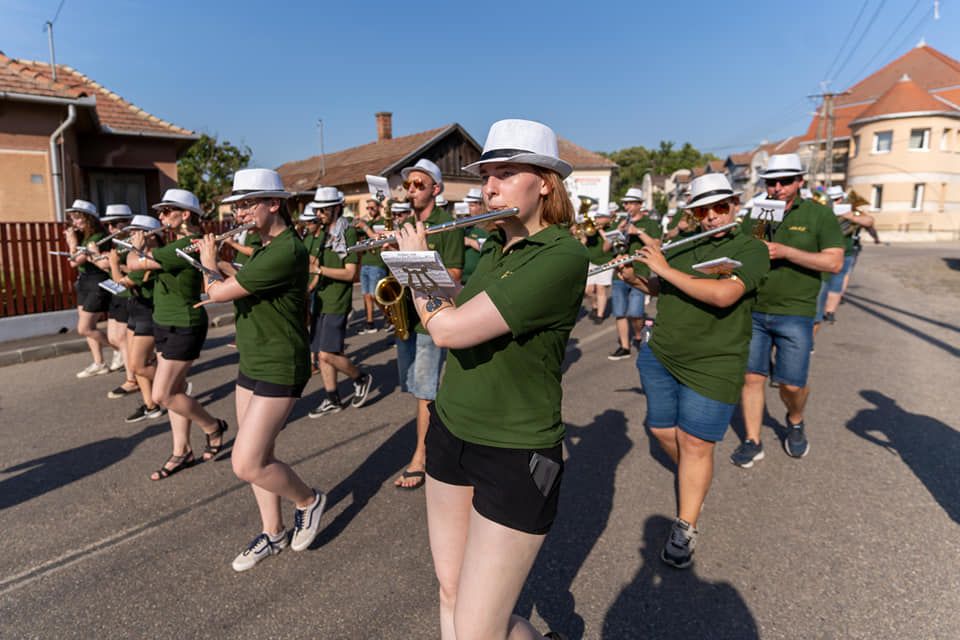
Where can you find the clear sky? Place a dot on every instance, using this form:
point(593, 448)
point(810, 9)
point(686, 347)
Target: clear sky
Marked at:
point(607, 75)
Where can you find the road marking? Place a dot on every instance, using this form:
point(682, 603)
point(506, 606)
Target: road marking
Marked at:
point(28, 576)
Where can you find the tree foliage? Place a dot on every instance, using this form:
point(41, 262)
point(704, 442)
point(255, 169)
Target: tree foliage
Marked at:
point(636, 161)
point(207, 169)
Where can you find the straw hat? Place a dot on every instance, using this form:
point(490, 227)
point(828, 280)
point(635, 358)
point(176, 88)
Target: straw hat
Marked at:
point(524, 142)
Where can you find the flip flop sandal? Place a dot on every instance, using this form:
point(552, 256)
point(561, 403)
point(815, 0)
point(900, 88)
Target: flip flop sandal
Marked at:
point(210, 451)
point(419, 475)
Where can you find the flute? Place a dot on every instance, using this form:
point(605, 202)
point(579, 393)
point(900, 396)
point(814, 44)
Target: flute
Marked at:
point(224, 236)
point(613, 264)
point(446, 226)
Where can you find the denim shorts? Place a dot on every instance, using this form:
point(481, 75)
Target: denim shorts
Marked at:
point(835, 283)
point(672, 404)
point(793, 338)
point(370, 275)
point(419, 362)
point(328, 333)
point(627, 301)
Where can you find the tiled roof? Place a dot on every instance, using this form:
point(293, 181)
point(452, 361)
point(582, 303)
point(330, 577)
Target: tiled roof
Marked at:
point(787, 145)
point(741, 158)
point(351, 165)
point(932, 71)
point(906, 96)
point(114, 113)
point(716, 166)
point(580, 158)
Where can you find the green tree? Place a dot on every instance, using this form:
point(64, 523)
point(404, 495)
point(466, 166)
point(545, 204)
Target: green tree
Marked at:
point(665, 159)
point(207, 169)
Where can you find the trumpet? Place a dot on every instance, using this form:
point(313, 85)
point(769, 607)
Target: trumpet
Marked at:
point(223, 236)
point(468, 221)
point(613, 264)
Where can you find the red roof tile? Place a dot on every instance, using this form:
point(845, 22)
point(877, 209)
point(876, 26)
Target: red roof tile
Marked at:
point(905, 96)
point(114, 113)
point(741, 158)
point(580, 158)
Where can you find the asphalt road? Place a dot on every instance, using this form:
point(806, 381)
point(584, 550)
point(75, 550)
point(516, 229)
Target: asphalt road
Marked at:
point(858, 540)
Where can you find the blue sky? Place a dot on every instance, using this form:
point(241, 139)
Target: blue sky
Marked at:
point(607, 75)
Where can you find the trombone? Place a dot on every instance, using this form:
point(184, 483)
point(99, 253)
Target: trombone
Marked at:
point(468, 221)
point(613, 264)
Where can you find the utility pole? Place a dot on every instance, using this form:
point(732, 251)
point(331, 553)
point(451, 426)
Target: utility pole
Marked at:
point(827, 122)
point(53, 57)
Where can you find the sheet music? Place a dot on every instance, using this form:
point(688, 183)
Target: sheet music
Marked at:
point(722, 265)
point(841, 209)
point(769, 210)
point(378, 186)
point(420, 270)
point(112, 286)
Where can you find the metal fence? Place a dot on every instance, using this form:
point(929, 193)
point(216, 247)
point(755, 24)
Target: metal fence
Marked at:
point(32, 280)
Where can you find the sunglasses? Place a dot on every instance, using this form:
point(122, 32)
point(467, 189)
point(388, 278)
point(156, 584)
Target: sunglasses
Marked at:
point(772, 182)
point(164, 212)
point(417, 183)
point(722, 208)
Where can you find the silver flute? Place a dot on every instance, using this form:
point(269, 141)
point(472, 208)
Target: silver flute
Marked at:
point(223, 236)
point(613, 264)
point(440, 228)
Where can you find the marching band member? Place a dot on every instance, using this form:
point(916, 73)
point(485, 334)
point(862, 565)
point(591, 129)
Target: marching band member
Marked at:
point(419, 360)
point(494, 456)
point(475, 236)
point(115, 217)
point(807, 242)
point(179, 328)
point(372, 268)
point(313, 242)
point(270, 297)
point(600, 252)
point(140, 340)
point(92, 300)
point(335, 272)
point(627, 301)
point(692, 368)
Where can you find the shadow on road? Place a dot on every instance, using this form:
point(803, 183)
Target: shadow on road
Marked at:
point(572, 354)
point(662, 602)
point(367, 479)
point(952, 350)
point(595, 452)
point(916, 316)
point(952, 263)
point(49, 473)
point(929, 447)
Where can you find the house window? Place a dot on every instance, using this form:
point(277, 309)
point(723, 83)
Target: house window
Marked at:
point(945, 139)
point(856, 146)
point(917, 203)
point(876, 197)
point(919, 139)
point(36, 178)
point(882, 141)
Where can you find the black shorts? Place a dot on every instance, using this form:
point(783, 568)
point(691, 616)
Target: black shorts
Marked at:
point(270, 389)
point(119, 309)
point(504, 488)
point(328, 332)
point(140, 316)
point(179, 343)
point(90, 296)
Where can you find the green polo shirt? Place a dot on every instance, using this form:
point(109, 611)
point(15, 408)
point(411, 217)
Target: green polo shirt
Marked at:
point(143, 288)
point(594, 245)
point(336, 296)
point(449, 245)
point(471, 257)
point(177, 288)
point(653, 229)
point(271, 321)
point(88, 269)
point(371, 258)
point(790, 289)
point(703, 346)
point(314, 245)
point(250, 239)
point(506, 392)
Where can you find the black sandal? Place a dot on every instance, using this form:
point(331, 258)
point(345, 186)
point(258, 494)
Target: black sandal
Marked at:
point(180, 463)
point(210, 451)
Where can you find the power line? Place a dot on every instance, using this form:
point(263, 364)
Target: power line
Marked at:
point(889, 38)
point(57, 14)
point(863, 35)
point(847, 39)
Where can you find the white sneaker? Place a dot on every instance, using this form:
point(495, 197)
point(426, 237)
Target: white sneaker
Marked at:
point(263, 546)
point(307, 522)
point(117, 363)
point(93, 369)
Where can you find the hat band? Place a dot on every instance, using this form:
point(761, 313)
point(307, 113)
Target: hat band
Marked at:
point(707, 194)
point(495, 154)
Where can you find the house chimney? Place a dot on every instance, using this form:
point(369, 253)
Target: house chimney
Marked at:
point(384, 126)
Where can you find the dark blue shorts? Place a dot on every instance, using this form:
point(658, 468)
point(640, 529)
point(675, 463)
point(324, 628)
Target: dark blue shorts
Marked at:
point(793, 338)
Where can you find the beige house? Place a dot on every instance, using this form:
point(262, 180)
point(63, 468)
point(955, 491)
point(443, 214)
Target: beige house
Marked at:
point(69, 137)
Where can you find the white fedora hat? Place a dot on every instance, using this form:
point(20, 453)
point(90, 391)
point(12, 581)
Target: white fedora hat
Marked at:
point(116, 212)
point(143, 223)
point(474, 195)
point(835, 192)
point(400, 207)
point(257, 183)
point(634, 194)
point(82, 206)
point(612, 207)
point(327, 197)
point(709, 188)
point(309, 213)
point(425, 166)
point(783, 165)
point(180, 199)
point(522, 141)
point(441, 201)
point(461, 208)
point(806, 194)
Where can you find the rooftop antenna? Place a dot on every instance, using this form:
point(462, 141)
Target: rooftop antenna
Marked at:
point(936, 9)
point(323, 163)
point(49, 26)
